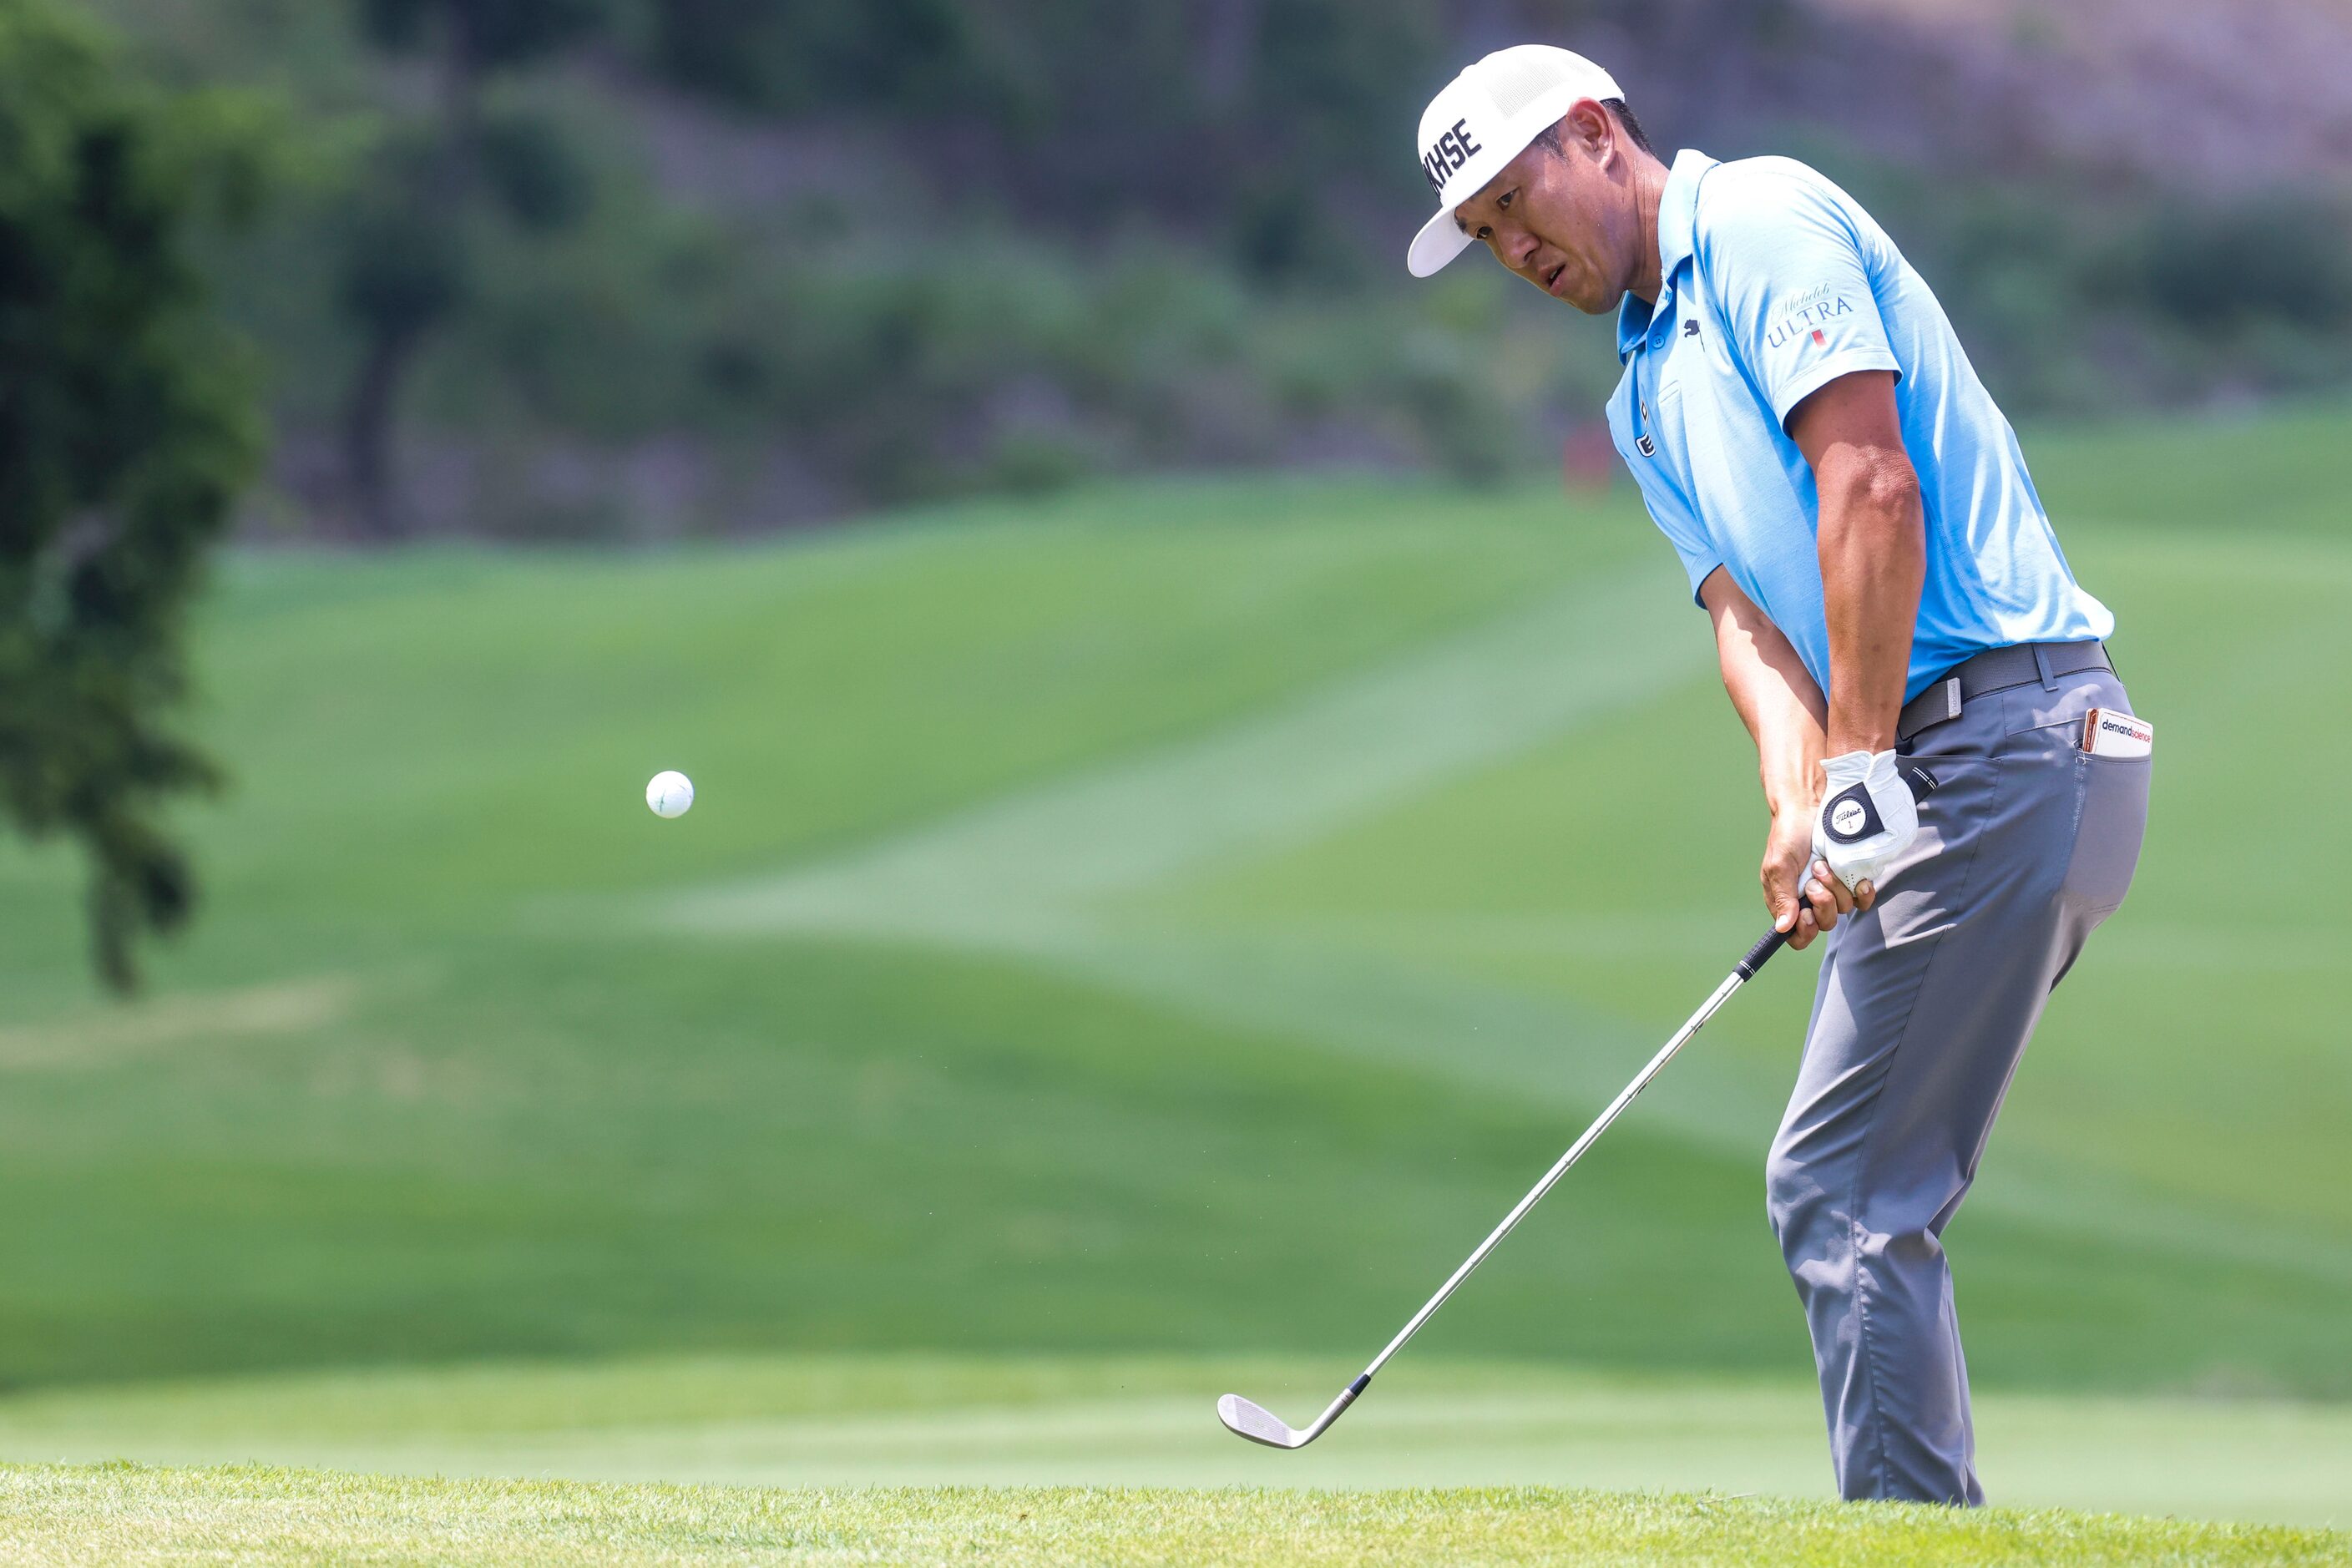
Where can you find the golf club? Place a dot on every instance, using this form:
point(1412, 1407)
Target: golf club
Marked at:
point(1246, 1418)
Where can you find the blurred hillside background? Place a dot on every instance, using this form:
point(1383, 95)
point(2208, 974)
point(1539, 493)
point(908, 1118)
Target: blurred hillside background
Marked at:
point(598, 269)
point(1139, 925)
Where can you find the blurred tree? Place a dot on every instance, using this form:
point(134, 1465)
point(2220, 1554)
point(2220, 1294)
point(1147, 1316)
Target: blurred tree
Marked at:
point(1090, 115)
point(405, 262)
point(1271, 126)
point(125, 436)
point(800, 57)
point(2283, 254)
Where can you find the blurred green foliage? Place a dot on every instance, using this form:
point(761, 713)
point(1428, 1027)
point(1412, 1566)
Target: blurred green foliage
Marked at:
point(125, 436)
point(2077, 297)
point(409, 226)
point(636, 268)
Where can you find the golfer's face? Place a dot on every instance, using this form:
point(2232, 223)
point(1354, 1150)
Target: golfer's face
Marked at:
point(1546, 218)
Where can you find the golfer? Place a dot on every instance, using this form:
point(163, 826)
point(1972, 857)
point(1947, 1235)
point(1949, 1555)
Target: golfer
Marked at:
point(1857, 522)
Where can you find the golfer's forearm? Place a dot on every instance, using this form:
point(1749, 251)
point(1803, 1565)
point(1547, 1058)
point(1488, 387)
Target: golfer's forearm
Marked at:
point(1874, 558)
point(1789, 741)
point(1773, 694)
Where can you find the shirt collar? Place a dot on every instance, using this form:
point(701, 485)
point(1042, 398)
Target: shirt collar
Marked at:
point(1677, 209)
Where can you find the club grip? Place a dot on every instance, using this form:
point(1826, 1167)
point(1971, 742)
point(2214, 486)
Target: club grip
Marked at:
point(1770, 942)
point(1923, 784)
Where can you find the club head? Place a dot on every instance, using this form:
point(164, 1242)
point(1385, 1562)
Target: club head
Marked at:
point(1258, 1424)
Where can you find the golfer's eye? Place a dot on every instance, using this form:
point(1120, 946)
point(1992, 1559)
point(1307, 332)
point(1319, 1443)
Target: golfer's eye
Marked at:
point(1503, 202)
point(1485, 234)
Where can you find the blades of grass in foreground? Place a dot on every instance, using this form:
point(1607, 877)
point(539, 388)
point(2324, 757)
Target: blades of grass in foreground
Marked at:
point(121, 1513)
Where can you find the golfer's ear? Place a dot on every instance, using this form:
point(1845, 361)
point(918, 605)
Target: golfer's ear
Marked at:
point(1588, 125)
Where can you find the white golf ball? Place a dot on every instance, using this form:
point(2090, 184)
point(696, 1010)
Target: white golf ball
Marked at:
point(669, 794)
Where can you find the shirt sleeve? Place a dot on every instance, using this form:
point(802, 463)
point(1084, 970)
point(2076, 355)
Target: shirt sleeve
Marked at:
point(1787, 267)
point(1699, 555)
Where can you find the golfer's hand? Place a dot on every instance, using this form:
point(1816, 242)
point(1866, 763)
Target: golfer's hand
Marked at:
point(1868, 815)
point(1803, 898)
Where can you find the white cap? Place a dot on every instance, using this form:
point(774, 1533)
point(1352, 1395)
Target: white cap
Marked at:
point(1483, 119)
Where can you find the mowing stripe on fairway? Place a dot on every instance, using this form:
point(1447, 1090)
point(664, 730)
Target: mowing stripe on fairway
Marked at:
point(1546, 1048)
point(292, 1007)
point(1020, 871)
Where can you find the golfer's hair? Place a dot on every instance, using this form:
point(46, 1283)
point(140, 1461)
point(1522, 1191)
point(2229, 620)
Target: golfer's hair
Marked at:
point(1616, 106)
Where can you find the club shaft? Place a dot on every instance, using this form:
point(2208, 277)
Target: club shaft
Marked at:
point(1731, 983)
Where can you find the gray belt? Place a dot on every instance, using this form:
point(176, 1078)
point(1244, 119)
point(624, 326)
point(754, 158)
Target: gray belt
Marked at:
point(1996, 669)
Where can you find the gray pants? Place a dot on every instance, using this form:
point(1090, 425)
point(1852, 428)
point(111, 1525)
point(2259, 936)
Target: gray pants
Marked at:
point(1922, 1011)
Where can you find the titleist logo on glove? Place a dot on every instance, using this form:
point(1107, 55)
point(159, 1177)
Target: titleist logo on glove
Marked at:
point(1867, 816)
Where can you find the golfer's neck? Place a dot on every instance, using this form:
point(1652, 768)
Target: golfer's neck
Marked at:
point(1649, 191)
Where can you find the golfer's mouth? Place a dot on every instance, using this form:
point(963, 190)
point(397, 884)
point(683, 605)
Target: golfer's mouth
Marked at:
point(1552, 278)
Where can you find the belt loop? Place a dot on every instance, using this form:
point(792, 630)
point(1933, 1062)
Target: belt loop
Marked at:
point(2041, 663)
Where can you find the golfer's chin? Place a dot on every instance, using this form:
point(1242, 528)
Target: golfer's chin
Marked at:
point(1572, 290)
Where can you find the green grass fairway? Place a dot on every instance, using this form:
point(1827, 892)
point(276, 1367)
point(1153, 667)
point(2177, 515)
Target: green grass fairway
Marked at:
point(909, 1419)
point(1164, 925)
point(123, 1514)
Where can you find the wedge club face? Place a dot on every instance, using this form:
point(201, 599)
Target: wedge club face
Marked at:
point(1244, 1419)
point(1256, 1422)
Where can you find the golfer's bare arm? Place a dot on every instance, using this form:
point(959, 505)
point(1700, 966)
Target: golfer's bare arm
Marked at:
point(1873, 551)
point(1784, 712)
point(1873, 560)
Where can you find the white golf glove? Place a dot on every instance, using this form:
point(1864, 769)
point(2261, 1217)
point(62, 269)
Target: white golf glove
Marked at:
point(1867, 817)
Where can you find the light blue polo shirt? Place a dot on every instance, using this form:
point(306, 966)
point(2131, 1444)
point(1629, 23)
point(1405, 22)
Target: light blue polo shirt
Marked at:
point(1776, 283)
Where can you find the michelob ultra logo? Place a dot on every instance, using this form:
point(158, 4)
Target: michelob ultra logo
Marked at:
point(1447, 153)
